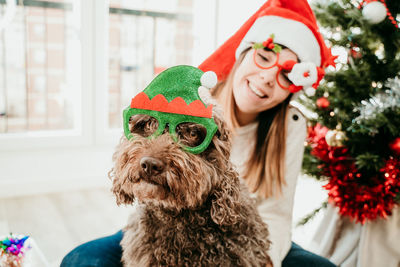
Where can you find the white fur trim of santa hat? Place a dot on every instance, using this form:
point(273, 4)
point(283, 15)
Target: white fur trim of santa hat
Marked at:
point(291, 33)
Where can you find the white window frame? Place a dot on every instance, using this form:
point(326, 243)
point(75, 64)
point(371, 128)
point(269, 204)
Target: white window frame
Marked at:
point(83, 133)
point(50, 161)
point(39, 162)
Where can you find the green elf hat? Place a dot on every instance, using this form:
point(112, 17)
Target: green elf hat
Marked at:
point(173, 98)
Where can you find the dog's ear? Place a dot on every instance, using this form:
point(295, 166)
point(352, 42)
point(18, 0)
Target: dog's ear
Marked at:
point(119, 175)
point(118, 189)
point(226, 207)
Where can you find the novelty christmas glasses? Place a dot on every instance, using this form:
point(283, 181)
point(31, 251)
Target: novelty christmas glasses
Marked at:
point(291, 75)
point(265, 59)
point(193, 133)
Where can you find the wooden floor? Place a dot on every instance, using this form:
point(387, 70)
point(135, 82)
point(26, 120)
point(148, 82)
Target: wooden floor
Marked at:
point(59, 222)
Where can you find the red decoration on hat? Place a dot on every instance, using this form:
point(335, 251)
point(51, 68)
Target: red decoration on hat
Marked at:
point(395, 146)
point(321, 74)
point(299, 11)
point(176, 106)
point(268, 42)
point(331, 60)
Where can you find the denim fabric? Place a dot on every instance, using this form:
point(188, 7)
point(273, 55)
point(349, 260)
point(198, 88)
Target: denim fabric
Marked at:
point(298, 257)
point(102, 252)
point(106, 252)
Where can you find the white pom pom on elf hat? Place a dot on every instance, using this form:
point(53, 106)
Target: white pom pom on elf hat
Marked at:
point(209, 79)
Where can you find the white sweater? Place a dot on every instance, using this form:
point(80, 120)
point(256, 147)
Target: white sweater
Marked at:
point(276, 212)
point(348, 244)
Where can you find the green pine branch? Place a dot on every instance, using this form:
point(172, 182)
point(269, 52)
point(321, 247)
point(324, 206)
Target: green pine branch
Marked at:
point(312, 214)
point(397, 198)
point(373, 59)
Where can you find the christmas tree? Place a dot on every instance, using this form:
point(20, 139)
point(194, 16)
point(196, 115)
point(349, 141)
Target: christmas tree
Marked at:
point(354, 137)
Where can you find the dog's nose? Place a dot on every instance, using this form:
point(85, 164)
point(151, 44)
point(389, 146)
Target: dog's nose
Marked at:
point(151, 165)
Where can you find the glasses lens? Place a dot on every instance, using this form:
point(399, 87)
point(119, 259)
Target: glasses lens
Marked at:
point(191, 134)
point(143, 125)
point(283, 79)
point(265, 58)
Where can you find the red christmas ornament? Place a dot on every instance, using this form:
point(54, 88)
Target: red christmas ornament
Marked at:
point(323, 102)
point(355, 53)
point(395, 146)
point(347, 188)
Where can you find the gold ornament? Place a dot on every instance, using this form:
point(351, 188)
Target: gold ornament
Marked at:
point(335, 137)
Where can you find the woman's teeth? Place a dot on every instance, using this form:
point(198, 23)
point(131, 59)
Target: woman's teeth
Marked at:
point(256, 91)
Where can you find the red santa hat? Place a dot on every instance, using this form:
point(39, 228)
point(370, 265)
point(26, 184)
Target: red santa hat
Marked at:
point(293, 25)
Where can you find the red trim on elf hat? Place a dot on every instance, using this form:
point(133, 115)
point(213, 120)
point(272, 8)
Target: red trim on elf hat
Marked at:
point(176, 106)
point(287, 12)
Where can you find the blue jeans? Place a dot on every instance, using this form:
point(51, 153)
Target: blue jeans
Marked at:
point(107, 252)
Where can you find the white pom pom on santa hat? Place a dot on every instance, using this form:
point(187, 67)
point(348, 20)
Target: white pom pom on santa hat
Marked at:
point(209, 79)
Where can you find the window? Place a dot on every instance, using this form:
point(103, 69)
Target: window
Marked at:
point(39, 69)
point(145, 37)
point(69, 67)
point(69, 78)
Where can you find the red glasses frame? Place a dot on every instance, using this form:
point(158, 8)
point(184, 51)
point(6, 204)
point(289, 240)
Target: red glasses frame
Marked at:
point(287, 65)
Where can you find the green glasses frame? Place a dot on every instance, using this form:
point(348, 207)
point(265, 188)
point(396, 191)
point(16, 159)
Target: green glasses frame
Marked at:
point(173, 120)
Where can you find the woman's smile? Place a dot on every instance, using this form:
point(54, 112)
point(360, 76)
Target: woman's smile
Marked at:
point(253, 88)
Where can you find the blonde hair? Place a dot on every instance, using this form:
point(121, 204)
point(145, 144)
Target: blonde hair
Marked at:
point(265, 168)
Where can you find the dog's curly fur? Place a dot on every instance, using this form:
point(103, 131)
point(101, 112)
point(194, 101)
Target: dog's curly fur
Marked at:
point(193, 213)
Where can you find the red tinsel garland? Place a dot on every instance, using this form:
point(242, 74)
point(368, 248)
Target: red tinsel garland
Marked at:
point(359, 201)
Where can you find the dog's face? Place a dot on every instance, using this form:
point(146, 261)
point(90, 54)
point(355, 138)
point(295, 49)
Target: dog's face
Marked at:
point(159, 171)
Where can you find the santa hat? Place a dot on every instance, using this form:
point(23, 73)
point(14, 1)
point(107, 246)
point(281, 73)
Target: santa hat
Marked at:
point(293, 25)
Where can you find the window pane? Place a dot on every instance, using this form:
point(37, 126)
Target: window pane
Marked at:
point(40, 66)
point(145, 37)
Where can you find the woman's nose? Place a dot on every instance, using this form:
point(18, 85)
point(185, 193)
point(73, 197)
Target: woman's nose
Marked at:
point(269, 76)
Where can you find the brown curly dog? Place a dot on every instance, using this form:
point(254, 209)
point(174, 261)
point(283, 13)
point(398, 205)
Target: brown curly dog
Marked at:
point(191, 209)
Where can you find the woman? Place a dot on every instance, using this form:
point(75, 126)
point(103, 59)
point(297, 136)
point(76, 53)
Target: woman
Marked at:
point(260, 73)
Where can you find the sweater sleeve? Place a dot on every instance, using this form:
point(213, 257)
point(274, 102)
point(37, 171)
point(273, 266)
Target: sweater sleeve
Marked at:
point(276, 212)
